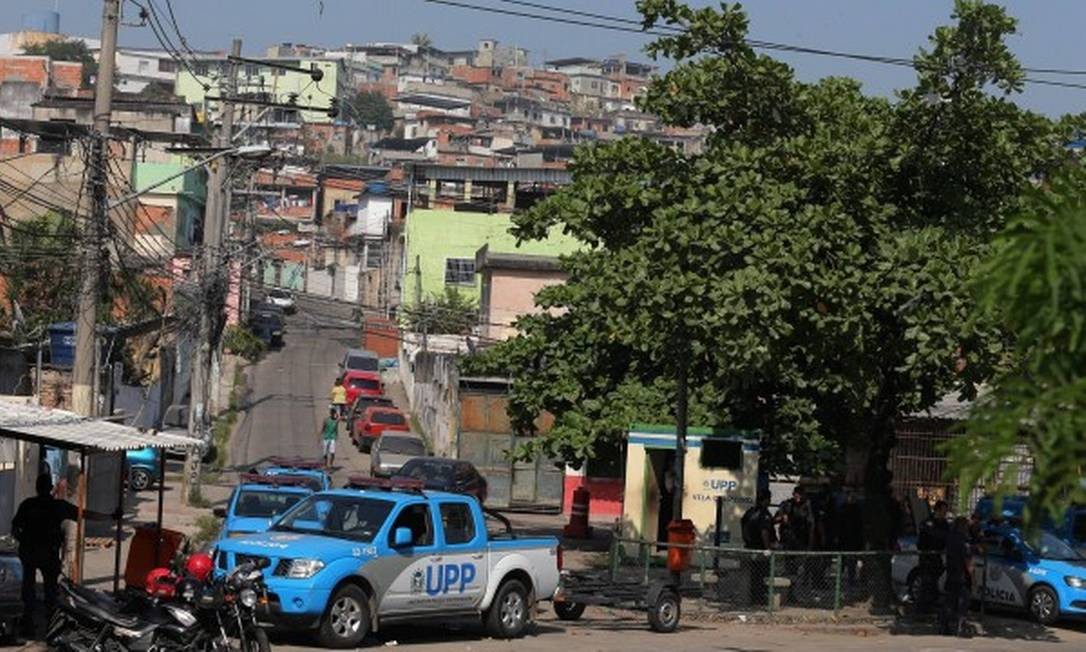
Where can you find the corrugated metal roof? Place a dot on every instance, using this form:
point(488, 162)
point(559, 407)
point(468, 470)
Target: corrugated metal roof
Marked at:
point(69, 430)
point(556, 176)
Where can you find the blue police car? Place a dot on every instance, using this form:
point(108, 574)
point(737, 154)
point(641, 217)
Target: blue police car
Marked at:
point(344, 562)
point(258, 500)
point(1044, 576)
point(313, 470)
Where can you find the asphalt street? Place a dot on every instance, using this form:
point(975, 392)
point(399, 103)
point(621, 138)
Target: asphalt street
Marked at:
point(288, 397)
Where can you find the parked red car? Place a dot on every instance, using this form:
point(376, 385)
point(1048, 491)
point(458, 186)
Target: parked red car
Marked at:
point(359, 383)
point(375, 420)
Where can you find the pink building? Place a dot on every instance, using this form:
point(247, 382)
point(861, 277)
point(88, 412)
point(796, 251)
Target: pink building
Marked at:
point(509, 285)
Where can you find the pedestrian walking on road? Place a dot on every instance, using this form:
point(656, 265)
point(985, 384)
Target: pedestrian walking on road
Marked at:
point(339, 399)
point(328, 437)
point(37, 528)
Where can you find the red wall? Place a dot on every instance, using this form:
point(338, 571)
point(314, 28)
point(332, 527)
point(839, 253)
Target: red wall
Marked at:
point(605, 496)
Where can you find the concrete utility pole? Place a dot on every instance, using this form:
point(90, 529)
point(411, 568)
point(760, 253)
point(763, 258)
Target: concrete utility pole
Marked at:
point(216, 215)
point(86, 332)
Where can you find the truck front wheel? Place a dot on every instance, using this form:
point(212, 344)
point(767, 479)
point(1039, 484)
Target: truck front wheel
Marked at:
point(508, 615)
point(347, 619)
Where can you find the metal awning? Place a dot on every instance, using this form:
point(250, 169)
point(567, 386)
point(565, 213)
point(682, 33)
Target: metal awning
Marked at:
point(69, 430)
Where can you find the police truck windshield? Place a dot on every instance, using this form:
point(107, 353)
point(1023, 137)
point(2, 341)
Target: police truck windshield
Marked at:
point(344, 517)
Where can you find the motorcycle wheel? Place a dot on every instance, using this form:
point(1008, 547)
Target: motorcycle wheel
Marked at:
point(257, 641)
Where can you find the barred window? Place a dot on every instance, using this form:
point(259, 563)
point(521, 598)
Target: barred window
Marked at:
point(459, 271)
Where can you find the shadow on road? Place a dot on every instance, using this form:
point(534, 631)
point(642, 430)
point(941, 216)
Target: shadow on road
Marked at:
point(992, 627)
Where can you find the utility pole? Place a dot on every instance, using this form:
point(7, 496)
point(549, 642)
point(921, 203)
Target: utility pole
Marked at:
point(216, 214)
point(86, 332)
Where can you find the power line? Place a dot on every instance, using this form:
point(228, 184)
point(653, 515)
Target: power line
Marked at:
point(620, 24)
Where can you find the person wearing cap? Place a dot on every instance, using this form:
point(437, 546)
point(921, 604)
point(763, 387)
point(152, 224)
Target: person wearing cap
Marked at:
point(37, 527)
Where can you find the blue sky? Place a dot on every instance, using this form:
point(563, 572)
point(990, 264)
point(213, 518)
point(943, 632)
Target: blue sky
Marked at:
point(1050, 32)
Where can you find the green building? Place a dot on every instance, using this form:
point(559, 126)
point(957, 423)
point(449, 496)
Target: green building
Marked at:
point(441, 244)
point(269, 83)
point(182, 199)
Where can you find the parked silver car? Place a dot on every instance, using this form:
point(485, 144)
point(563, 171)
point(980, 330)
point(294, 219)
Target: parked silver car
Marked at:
point(392, 449)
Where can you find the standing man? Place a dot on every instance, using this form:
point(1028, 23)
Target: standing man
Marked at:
point(959, 578)
point(339, 398)
point(759, 533)
point(797, 531)
point(931, 542)
point(850, 533)
point(37, 528)
point(328, 437)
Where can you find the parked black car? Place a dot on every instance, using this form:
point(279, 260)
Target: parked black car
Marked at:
point(268, 326)
point(444, 474)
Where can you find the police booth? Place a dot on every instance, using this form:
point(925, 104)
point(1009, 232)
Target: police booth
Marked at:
point(719, 464)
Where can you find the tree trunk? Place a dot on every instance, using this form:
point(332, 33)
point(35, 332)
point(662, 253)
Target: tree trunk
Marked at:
point(881, 513)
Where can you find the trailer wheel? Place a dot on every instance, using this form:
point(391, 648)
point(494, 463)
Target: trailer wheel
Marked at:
point(664, 612)
point(569, 610)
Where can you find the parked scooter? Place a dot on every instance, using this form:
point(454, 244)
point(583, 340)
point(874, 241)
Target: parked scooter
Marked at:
point(202, 615)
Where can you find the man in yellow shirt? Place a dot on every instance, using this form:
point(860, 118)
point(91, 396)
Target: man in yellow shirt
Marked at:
point(339, 398)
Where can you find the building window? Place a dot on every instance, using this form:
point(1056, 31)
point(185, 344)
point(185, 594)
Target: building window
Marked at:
point(251, 70)
point(167, 65)
point(459, 271)
point(144, 66)
point(200, 68)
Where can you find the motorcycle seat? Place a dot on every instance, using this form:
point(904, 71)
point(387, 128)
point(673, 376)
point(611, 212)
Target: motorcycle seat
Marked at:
point(100, 606)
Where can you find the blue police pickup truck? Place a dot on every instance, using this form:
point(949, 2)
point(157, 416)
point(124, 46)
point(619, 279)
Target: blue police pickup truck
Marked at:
point(258, 500)
point(348, 561)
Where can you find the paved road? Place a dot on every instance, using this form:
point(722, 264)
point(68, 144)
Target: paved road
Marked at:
point(605, 631)
point(288, 398)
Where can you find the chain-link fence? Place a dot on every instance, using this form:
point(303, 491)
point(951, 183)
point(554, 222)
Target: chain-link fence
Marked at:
point(775, 581)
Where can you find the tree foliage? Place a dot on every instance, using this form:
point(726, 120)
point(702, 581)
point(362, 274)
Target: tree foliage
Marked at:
point(448, 313)
point(40, 270)
point(1034, 284)
point(371, 108)
point(812, 264)
point(67, 51)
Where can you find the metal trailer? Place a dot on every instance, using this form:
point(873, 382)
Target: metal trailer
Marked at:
point(660, 599)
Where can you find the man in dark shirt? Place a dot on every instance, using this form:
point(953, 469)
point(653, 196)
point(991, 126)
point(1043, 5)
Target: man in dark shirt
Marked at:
point(931, 542)
point(959, 578)
point(759, 533)
point(37, 528)
point(797, 522)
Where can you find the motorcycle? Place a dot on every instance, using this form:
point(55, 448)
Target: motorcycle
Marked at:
point(211, 617)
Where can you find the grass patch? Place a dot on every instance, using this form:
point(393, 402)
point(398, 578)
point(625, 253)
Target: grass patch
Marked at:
point(207, 530)
point(224, 423)
point(416, 428)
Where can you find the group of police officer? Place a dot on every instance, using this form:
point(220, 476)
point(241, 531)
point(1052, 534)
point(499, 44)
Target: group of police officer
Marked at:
point(945, 547)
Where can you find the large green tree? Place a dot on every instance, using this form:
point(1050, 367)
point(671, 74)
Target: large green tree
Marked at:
point(808, 272)
point(65, 50)
point(1034, 283)
point(371, 108)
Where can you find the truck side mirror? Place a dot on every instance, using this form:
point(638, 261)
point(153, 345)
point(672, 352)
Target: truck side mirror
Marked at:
point(402, 537)
point(219, 512)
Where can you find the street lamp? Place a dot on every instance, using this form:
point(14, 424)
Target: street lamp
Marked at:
point(248, 152)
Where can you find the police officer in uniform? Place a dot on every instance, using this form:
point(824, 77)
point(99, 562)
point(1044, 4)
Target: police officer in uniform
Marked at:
point(759, 533)
point(959, 579)
point(931, 543)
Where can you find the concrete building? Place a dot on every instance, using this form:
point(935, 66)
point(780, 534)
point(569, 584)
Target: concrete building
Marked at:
point(509, 283)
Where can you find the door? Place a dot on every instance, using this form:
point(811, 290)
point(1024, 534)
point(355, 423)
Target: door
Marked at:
point(1002, 577)
point(407, 593)
point(465, 563)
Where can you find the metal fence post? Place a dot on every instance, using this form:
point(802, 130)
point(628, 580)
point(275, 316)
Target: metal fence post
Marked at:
point(701, 565)
point(771, 581)
point(645, 553)
point(612, 559)
point(836, 585)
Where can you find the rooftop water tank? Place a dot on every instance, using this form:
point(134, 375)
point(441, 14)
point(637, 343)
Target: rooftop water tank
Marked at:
point(42, 21)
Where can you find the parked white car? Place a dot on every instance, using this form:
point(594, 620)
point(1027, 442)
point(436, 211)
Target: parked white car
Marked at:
point(392, 449)
point(281, 298)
